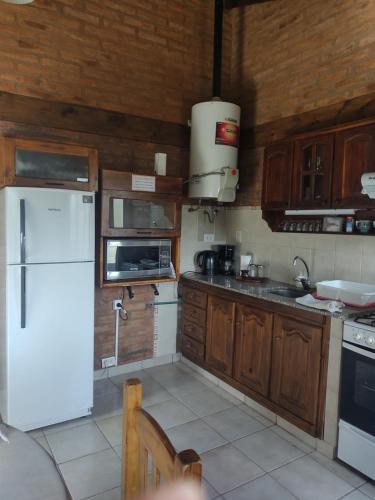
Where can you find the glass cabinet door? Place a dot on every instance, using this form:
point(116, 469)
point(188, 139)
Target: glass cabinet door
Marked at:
point(141, 214)
point(38, 163)
point(48, 165)
point(313, 166)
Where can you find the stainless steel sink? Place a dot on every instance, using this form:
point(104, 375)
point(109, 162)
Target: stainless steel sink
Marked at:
point(291, 293)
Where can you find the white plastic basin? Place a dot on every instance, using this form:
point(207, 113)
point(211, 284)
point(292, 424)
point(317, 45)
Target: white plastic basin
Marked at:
point(349, 292)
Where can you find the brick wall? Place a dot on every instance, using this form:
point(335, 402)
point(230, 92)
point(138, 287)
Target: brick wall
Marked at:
point(295, 56)
point(149, 58)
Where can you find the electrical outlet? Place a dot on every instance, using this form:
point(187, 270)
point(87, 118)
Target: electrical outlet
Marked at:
point(116, 304)
point(108, 362)
point(238, 236)
point(209, 237)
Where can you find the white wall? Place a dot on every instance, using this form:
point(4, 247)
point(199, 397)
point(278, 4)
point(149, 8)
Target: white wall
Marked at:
point(193, 226)
point(328, 256)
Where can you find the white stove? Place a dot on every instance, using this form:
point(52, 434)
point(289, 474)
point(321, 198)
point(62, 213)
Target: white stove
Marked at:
point(357, 407)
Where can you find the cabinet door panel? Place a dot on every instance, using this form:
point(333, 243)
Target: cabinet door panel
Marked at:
point(220, 334)
point(354, 156)
point(253, 348)
point(277, 178)
point(296, 359)
point(313, 164)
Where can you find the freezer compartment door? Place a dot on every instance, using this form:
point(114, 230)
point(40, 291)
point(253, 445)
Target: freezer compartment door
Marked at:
point(50, 334)
point(49, 225)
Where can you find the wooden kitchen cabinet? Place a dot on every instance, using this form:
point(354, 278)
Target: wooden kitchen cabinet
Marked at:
point(354, 156)
point(253, 348)
point(193, 323)
point(274, 354)
point(312, 172)
point(220, 334)
point(296, 361)
point(277, 176)
point(29, 162)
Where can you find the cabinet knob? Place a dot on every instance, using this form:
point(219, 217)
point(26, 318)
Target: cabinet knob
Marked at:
point(277, 338)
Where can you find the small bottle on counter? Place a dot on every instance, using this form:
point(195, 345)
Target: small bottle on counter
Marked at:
point(349, 224)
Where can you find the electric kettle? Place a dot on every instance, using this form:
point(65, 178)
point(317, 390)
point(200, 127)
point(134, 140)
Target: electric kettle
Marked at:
point(207, 262)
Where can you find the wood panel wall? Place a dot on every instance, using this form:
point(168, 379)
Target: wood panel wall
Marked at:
point(124, 142)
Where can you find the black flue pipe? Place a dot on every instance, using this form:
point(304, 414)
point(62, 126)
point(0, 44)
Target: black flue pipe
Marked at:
point(218, 42)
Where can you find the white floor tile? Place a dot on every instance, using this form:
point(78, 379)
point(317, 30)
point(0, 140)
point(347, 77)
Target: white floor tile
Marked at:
point(308, 480)
point(107, 405)
point(166, 372)
point(368, 489)
point(171, 413)
point(76, 442)
point(205, 403)
point(263, 488)
point(93, 474)
point(233, 423)
point(182, 385)
point(104, 386)
point(356, 495)
point(196, 435)
point(226, 468)
point(112, 429)
point(118, 380)
point(208, 490)
point(154, 393)
point(114, 494)
point(268, 450)
point(44, 444)
point(69, 424)
point(250, 411)
point(348, 475)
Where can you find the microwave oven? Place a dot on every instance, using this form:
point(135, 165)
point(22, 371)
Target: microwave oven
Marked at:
point(137, 258)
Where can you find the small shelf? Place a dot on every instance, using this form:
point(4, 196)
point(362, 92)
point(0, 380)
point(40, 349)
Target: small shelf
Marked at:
point(146, 281)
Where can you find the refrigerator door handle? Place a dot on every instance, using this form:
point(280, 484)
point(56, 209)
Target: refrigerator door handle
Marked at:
point(23, 297)
point(22, 231)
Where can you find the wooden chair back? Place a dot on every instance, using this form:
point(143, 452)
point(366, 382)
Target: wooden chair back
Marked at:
point(143, 438)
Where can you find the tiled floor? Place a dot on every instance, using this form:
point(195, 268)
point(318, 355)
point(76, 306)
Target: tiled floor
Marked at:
point(245, 456)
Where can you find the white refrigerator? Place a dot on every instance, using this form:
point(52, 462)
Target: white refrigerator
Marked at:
point(47, 248)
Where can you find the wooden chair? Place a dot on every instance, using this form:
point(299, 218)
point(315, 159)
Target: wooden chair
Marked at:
point(143, 438)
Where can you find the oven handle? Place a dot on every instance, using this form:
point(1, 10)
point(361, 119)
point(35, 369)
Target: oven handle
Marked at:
point(358, 350)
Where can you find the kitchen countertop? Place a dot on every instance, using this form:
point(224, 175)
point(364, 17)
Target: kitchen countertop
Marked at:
point(262, 291)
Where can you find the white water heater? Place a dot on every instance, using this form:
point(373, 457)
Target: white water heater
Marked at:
point(215, 131)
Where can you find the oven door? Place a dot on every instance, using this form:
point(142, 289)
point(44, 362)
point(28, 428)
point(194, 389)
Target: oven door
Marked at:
point(358, 388)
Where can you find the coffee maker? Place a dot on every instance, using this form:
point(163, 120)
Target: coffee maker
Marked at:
point(226, 259)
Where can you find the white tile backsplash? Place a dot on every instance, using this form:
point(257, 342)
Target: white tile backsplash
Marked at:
point(328, 256)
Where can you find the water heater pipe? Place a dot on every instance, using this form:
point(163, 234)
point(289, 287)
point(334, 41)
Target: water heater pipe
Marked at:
point(218, 38)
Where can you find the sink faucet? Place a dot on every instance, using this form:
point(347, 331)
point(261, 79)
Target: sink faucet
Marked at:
point(302, 280)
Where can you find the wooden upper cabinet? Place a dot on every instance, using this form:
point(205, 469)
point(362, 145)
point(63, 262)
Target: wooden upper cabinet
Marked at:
point(220, 334)
point(277, 176)
point(253, 348)
point(28, 162)
point(312, 174)
point(355, 155)
point(129, 212)
point(296, 360)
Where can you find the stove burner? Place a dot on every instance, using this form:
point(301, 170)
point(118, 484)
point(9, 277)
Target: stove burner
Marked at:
point(366, 319)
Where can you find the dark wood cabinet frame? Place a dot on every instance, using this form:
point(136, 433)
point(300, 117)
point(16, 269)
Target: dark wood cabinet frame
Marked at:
point(263, 387)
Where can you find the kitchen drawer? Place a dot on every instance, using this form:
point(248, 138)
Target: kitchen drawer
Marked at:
point(195, 314)
point(195, 297)
point(192, 348)
point(197, 332)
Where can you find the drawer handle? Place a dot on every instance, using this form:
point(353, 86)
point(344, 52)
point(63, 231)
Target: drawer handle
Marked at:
point(189, 329)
